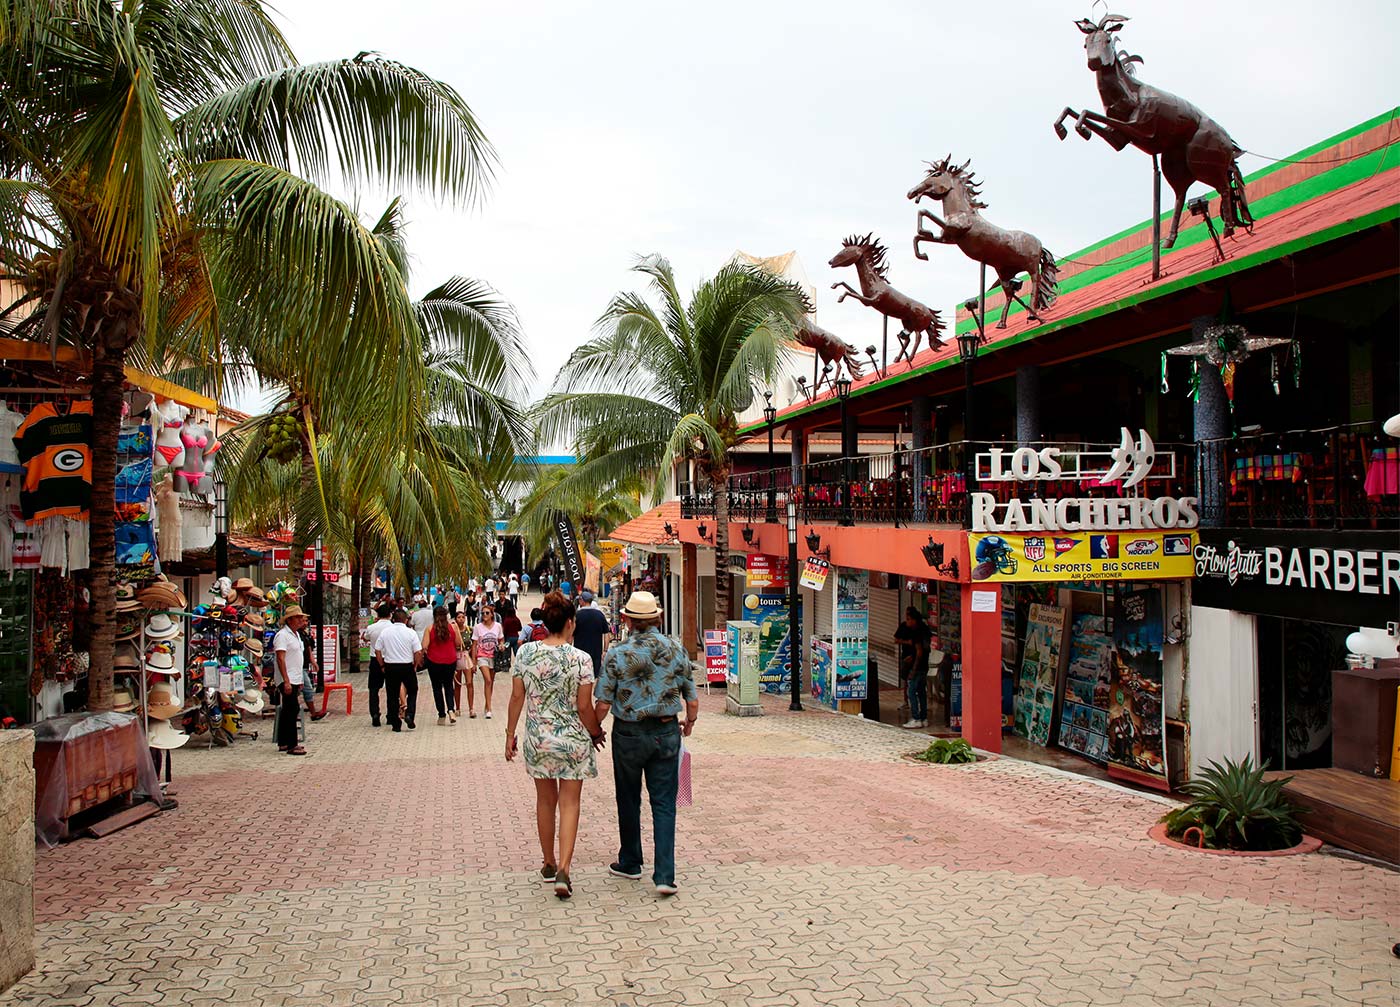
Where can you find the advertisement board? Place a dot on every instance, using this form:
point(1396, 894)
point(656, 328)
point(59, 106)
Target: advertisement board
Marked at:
point(769, 611)
point(1010, 557)
point(814, 573)
point(329, 651)
point(1351, 578)
point(1137, 724)
point(851, 638)
point(822, 690)
point(767, 571)
point(716, 656)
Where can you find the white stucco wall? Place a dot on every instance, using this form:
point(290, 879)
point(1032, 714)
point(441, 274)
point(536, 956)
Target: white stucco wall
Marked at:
point(1223, 686)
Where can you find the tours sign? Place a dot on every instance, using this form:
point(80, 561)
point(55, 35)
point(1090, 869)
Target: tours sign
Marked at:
point(1130, 464)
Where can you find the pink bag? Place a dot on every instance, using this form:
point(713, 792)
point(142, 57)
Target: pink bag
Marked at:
point(684, 797)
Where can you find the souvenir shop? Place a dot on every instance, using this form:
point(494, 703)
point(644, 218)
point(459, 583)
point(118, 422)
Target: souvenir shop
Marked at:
point(167, 452)
point(1091, 666)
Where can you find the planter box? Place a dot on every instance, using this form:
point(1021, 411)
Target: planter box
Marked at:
point(1309, 844)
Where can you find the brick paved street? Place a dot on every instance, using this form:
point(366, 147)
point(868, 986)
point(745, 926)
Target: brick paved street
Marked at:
point(816, 867)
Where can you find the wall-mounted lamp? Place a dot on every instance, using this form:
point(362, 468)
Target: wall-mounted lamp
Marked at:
point(704, 531)
point(807, 393)
point(814, 546)
point(747, 532)
point(670, 532)
point(933, 556)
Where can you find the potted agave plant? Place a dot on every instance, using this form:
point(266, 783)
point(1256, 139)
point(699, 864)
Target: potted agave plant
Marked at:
point(1235, 810)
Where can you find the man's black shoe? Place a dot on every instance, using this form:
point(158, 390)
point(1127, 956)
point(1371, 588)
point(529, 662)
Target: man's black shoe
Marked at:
point(411, 725)
point(373, 721)
point(630, 873)
point(397, 728)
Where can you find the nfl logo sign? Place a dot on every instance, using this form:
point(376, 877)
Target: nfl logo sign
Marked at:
point(1035, 549)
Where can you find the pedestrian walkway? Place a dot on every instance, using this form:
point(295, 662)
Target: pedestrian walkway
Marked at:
point(817, 866)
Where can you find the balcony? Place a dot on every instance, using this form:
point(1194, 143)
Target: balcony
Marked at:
point(1336, 477)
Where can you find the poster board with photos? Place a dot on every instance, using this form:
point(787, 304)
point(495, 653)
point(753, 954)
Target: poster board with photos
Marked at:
point(1041, 663)
point(1083, 726)
point(1137, 726)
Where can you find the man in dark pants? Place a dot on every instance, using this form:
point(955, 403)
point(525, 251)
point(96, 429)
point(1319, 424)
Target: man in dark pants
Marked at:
point(400, 652)
point(913, 638)
point(645, 683)
point(376, 667)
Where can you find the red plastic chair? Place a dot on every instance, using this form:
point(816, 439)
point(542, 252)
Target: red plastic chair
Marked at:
point(344, 687)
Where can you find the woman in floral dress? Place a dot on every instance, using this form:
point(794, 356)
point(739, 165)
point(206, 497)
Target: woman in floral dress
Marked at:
point(553, 685)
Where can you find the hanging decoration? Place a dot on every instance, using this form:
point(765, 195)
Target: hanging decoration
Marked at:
point(1225, 346)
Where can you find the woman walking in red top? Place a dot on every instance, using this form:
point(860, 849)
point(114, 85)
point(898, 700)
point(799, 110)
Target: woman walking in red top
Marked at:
point(441, 642)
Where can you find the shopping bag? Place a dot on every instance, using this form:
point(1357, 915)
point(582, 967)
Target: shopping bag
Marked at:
point(684, 797)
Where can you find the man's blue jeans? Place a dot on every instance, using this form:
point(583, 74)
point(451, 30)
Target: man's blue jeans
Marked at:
point(649, 748)
point(918, 695)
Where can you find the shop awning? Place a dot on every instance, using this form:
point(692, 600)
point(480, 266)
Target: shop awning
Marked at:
point(23, 349)
point(650, 528)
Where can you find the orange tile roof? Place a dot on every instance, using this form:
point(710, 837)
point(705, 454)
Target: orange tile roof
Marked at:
point(650, 528)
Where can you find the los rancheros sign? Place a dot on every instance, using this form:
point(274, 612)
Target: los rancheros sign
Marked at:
point(1127, 465)
point(1351, 578)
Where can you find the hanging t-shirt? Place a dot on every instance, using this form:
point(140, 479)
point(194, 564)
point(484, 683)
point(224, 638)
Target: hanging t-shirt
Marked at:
point(56, 451)
point(9, 426)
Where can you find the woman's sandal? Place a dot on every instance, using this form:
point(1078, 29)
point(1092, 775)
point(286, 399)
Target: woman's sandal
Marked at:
point(563, 887)
point(296, 751)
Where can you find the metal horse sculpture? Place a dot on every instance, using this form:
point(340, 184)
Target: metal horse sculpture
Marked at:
point(829, 346)
point(1007, 252)
point(915, 319)
point(1193, 147)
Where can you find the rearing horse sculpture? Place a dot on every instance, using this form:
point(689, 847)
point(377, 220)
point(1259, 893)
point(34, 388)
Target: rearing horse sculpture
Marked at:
point(1193, 147)
point(829, 346)
point(1007, 252)
point(915, 319)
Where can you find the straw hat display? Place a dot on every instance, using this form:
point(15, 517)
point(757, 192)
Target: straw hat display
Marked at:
point(161, 595)
point(252, 700)
point(254, 646)
point(123, 699)
point(126, 598)
point(129, 627)
point(161, 735)
point(125, 657)
point(161, 703)
point(161, 627)
point(161, 662)
point(254, 619)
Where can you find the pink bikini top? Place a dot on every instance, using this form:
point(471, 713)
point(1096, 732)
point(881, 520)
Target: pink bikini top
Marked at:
point(191, 442)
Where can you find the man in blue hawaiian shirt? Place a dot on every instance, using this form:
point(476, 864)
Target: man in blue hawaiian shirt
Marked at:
point(645, 683)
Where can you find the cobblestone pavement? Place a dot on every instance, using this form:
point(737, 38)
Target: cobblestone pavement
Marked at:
point(816, 867)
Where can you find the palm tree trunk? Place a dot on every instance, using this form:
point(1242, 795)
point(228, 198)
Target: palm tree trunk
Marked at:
point(719, 476)
point(108, 379)
point(357, 570)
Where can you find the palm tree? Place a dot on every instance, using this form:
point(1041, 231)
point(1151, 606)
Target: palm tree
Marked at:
point(594, 514)
point(159, 160)
point(661, 386)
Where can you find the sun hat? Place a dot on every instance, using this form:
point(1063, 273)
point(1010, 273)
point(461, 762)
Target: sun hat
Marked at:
point(161, 627)
point(252, 700)
point(641, 605)
point(254, 645)
point(161, 703)
point(128, 629)
point(123, 699)
point(292, 612)
point(254, 619)
point(243, 584)
point(254, 597)
point(126, 598)
point(126, 656)
point(159, 734)
point(161, 662)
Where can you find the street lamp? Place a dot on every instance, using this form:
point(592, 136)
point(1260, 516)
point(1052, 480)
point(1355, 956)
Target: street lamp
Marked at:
point(770, 415)
point(967, 352)
point(220, 525)
point(843, 392)
point(794, 613)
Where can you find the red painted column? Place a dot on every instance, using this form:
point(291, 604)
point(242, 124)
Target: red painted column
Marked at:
point(690, 597)
point(981, 666)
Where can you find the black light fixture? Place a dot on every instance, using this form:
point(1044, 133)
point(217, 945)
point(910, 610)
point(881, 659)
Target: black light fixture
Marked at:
point(933, 556)
point(769, 412)
point(843, 386)
point(704, 531)
point(1200, 207)
point(769, 416)
point(670, 532)
point(814, 545)
point(747, 532)
point(802, 387)
point(220, 525)
point(968, 343)
point(874, 364)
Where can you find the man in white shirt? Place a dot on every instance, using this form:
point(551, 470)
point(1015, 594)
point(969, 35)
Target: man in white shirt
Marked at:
point(400, 651)
point(491, 590)
point(514, 589)
point(422, 617)
point(370, 637)
point(291, 672)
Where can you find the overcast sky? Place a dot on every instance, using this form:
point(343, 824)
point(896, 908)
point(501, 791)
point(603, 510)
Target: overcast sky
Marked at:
point(695, 129)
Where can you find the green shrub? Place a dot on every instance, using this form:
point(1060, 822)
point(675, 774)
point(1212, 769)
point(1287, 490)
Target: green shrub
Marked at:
point(948, 750)
point(1237, 809)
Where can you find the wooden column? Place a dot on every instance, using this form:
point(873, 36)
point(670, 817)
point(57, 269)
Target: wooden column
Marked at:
point(690, 597)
